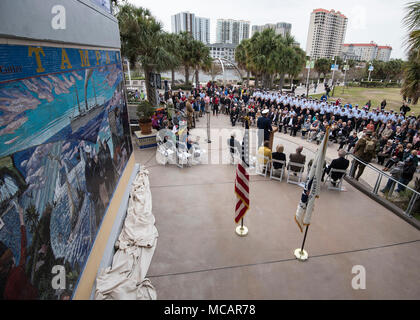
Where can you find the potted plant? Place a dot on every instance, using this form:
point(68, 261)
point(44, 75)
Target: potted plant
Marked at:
point(145, 111)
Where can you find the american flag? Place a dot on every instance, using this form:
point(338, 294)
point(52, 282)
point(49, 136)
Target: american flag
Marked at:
point(242, 178)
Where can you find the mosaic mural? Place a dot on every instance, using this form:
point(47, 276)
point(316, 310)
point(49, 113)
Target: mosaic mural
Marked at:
point(64, 143)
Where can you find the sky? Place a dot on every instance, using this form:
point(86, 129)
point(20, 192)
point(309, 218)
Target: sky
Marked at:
point(368, 20)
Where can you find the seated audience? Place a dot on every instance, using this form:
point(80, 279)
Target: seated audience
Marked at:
point(280, 156)
point(265, 151)
point(385, 153)
point(340, 163)
point(297, 157)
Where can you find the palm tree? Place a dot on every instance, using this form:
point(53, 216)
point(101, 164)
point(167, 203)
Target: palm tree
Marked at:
point(242, 57)
point(412, 23)
point(201, 59)
point(187, 53)
point(32, 216)
point(299, 59)
point(322, 66)
point(411, 84)
point(143, 40)
point(265, 54)
point(173, 46)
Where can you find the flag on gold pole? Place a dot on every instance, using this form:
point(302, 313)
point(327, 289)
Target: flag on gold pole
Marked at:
point(242, 178)
point(312, 186)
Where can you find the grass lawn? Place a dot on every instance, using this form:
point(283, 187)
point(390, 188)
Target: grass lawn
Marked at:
point(360, 96)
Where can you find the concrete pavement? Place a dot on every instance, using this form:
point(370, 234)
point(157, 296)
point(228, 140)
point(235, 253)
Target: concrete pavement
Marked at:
point(199, 256)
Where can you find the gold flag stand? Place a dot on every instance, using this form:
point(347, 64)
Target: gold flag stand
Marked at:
point(241, 230)
point(300, 254)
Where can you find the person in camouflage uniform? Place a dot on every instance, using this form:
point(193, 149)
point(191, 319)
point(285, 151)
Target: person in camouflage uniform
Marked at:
point(365, 151)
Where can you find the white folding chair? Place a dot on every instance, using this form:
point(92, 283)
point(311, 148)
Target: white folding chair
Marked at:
point(261, 165)
point(196, 153)
point(339, 182)
point(291, 173)
point(274, 172)
point(165, 153)
point(182, 154)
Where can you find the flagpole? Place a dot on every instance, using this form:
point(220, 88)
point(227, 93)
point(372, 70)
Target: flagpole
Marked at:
point(301, 254)
point(241, 230)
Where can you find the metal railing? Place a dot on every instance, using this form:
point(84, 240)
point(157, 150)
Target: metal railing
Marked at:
point(381, 177)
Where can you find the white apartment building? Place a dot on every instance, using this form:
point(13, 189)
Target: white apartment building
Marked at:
point(232, 31)
point(202, 29)
point(326, 33)
point(222, 50)
point(366, 52)
point(183, 21)
point(198, 27)
point(384, 53)
point(281, 28)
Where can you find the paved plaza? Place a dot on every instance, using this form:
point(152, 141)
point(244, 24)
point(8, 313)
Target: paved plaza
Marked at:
point(199, 256)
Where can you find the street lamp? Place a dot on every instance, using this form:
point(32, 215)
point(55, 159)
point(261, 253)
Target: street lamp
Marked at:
point(346, 67)
point(309, 65)
point(370, 70)
point(332, 80)
point(129, 73)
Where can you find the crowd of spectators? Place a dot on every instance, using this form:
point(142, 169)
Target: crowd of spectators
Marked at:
point(390, 137)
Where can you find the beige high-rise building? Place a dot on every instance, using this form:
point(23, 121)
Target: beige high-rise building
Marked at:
point(326, 34)
point(366, 52)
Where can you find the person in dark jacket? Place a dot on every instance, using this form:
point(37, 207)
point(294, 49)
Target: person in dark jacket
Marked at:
point(351, 141)
point(340, 163)
point(279, 156)
point(264, 128)
point(404, 108)
point(407, 174)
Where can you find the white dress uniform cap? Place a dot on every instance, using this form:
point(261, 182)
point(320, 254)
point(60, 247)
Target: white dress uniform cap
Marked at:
point(265, 111)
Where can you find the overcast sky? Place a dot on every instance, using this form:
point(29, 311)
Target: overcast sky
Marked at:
point(368, 20)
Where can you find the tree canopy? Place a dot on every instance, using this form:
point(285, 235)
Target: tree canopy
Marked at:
point(411, 84)
point(267, 55)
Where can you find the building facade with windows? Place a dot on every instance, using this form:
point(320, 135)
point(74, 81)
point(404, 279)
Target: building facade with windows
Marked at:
point(198, 27)
point(202, 29)
point(222, 50)
point(326, 33)
point(232, 31)
point(281, 28)
point(366, 52)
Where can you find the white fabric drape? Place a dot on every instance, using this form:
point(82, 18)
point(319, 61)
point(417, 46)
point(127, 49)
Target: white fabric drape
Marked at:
point(126, 278)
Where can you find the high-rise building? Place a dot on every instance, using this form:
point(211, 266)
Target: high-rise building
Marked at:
point(183, 21)
point(281, 28)
point(202, 29)
point(384, 53)
point(326, 33)
point(198, 27)
point(232, 31)
point(366, 51)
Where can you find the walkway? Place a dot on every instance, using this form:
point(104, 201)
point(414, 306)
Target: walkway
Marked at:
point(199, 256)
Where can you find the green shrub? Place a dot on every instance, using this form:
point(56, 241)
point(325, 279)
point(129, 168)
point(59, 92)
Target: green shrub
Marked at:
point(145, 111)
point(379, 84)
point(353, 84)
point(182, 87)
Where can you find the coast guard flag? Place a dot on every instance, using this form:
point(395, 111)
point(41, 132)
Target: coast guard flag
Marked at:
point(312, 187)
point(242, 178)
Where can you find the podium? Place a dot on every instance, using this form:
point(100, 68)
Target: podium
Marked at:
point(275, 129)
